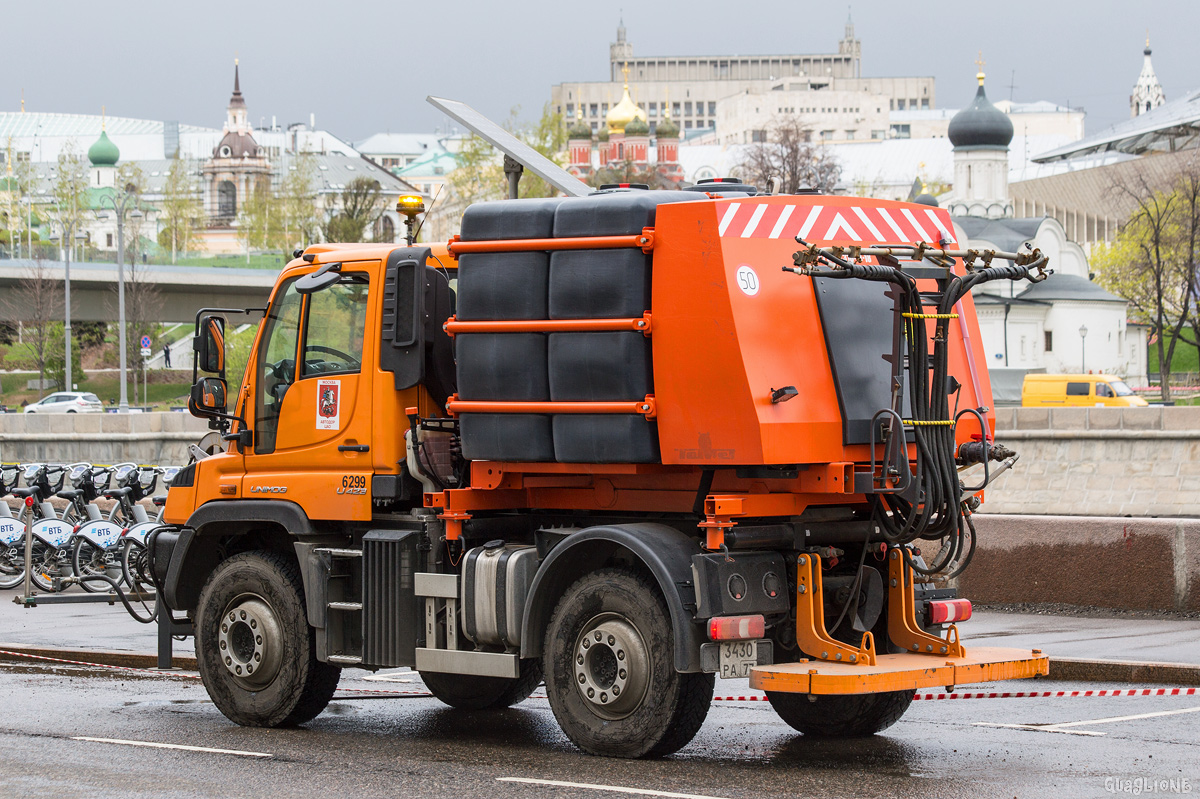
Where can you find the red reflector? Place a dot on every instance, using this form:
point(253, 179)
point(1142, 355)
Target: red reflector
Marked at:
point(736, 628)
point(949, 610)
point(125, 532)
point(29, 502)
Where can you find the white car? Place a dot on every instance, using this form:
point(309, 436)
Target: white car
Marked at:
point(67, 402)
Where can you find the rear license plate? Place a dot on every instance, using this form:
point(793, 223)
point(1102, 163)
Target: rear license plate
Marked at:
point(737, 657)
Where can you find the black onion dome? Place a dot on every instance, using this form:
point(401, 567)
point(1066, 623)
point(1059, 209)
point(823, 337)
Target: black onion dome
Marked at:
point(980, 125)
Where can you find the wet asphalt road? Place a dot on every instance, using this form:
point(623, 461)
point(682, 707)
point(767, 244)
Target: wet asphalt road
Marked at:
point(412, 746)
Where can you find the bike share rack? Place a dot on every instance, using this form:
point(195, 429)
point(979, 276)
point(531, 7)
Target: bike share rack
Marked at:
point(167, 624)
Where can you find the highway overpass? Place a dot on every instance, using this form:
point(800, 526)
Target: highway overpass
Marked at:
point(182, 290)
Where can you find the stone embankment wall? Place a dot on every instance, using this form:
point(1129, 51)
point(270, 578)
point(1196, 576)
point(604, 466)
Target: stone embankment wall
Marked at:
point(1094, 561)
point(1101, 510)
point(1099, 462)
point(145, 438)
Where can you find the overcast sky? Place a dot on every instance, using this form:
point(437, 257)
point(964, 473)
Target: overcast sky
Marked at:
point(363, 66)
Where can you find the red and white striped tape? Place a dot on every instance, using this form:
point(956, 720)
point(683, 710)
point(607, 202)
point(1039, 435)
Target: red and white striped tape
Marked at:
point(746, 698)
point(835, 223)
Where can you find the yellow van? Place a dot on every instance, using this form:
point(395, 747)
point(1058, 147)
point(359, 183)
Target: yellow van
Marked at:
point(1078, 391)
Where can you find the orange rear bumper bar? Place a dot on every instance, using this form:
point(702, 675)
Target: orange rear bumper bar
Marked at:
point(902, 672)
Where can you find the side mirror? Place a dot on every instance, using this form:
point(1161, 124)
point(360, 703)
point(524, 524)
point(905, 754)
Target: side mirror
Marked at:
point(323, 278)
point(208, 395)
point(209, 345)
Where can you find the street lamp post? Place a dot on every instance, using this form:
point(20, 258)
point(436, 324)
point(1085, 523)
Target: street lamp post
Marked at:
point(119, 208)
point(67, 241)
point(1083, 348)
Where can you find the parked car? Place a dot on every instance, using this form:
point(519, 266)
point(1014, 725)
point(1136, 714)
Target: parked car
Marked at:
point(67, 402)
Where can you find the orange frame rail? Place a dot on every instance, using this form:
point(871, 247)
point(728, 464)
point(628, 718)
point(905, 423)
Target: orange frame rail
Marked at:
point(645, 407)
point(641, 325)
point(644, 241)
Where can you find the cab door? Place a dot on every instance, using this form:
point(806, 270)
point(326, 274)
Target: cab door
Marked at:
point(312, 398)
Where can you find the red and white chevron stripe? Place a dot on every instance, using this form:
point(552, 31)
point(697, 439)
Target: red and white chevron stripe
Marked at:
point(842, 224)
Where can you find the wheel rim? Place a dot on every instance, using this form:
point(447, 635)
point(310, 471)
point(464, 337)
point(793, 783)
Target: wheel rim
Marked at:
point(611, 664)
point(250, 641)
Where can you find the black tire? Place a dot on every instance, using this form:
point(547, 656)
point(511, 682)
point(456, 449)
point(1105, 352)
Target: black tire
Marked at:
point(86, 560)
point(484, 693)
point(12, 565)
point(251, 615)
point(854, 716)
point(661, 710)
point(43, 566)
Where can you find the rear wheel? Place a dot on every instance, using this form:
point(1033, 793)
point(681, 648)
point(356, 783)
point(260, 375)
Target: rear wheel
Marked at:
point(484, 693)
point(853, 716)
point(610, 670)
point(254, 648)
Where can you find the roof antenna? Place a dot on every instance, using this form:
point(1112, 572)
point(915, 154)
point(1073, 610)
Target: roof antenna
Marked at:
point(428, 211)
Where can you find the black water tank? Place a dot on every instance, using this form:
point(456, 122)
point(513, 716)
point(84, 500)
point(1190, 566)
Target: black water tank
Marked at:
point(502, 285)
point(599, 284)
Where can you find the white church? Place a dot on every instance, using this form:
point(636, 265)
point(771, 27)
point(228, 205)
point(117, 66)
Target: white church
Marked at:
point(1066, 323)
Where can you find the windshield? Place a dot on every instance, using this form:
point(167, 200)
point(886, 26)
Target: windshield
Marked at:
point(1120, 388)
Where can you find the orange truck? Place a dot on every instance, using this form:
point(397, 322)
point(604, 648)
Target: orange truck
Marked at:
point(625, 443)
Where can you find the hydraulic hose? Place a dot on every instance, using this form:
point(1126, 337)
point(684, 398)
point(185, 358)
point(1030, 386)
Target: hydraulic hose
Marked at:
point(937, 512)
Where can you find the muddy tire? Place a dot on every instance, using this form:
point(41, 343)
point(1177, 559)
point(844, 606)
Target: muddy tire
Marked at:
point(610, 669)
point(855, 716)
point(254, 648)
point(484, 693)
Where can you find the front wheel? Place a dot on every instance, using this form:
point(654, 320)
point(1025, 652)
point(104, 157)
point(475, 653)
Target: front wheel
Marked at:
point(610, 670)
point(854, 716)
point(255, 651)
point(44, 565)
point(12, 565)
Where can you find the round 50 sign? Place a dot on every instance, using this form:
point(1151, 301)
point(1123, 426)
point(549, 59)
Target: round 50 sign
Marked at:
point(747, 280)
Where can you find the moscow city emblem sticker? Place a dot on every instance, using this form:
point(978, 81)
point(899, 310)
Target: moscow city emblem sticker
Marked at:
point(329, 404)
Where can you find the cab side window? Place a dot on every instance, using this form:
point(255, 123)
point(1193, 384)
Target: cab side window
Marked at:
point(333, 334)
point(276, 364)
point(1077, 389)
point(1104, 390)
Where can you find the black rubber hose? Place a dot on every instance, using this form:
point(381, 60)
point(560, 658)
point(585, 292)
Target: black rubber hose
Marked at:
point(121, 596)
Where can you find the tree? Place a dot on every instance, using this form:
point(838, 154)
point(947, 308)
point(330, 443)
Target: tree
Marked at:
point(361, 203)
point(258, 217)
point(300, 217)
point(549, 137)
point(131, 180)
point(15, 188)
point(70, 192)
point(789, 157)
point(56, 360)
point(36, 302)
point(181, 213)
point(629, 172)
point(1152, 263)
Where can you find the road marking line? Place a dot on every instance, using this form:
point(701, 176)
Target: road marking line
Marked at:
point(1131, 718)
point(613, 788)
point(152, 745)
point(1037, 728)
point(1061, 727)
